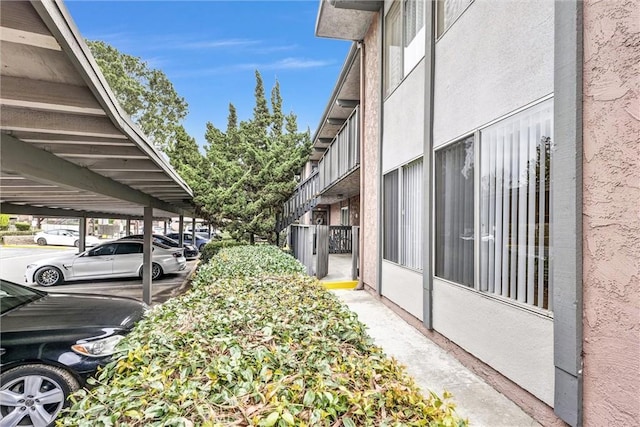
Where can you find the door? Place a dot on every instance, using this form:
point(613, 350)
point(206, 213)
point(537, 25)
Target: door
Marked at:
point(97, 262)
point(127, 259)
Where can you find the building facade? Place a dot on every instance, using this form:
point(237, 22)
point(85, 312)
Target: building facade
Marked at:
point(497, 199)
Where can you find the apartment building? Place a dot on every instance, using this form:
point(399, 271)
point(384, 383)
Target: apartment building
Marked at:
point(487, 152)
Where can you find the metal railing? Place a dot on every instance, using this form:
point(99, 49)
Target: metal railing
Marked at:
point(343, 155)
point(303, 199)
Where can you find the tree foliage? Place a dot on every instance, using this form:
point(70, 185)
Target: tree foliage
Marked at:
point(145, 94)
point(251, 166)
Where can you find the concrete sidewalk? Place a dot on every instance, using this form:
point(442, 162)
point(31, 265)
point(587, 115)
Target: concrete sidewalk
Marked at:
point(432, 367)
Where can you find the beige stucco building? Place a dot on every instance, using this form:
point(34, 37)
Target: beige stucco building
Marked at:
point(488, 153)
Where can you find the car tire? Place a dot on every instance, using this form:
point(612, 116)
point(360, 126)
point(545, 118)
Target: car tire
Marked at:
point(201, 247)
point(156, 271)
point(18, 402)
point(76, 243)
point(48, 276)
point(42, 241)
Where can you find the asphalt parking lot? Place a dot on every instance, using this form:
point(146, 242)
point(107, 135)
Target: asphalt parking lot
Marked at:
point(14, 260)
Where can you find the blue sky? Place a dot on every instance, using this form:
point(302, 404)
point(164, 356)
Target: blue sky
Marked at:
point(211, 49)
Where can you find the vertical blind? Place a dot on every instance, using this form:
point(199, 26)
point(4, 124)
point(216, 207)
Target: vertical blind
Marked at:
point(413, 19)
point(514, 206)
point(411, 218)
point(454, 213)
point(390, 219)
point(392, 48)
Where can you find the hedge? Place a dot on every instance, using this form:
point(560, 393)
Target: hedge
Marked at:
point(271, 349)
point(214, 246)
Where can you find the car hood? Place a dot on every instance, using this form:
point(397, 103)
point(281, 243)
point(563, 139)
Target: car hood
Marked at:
point(56, 311)
point(68, 257)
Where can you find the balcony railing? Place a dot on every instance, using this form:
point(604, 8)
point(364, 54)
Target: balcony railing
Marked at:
point(304, 198)
point(340, 159)
point(343, 155)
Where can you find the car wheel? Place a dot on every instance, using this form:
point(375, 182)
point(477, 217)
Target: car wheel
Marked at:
point(33, 395)
point(48, 276)
point(201, 247)
point(76, 243)
point(156, 271)
point(42, 241)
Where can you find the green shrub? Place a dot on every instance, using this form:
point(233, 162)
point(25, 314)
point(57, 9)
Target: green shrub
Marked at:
point(214, 246)
point(18, 233)
point(23, 226)
point(4, 221)
point(267, 350)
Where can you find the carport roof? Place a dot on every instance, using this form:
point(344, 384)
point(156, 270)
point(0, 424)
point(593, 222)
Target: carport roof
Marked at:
point(67, 147)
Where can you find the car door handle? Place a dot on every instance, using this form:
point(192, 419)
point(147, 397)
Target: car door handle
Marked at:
point(109, 259)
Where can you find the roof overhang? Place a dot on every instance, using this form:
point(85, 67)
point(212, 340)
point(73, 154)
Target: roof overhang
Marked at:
point(67, 147)
point(344, 99)
point(346, 19)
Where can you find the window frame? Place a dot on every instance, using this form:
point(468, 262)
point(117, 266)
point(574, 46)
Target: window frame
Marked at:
point(400, 7)
point(477, 228)
point(440, 32)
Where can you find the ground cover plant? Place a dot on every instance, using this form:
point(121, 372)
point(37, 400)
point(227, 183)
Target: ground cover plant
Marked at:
point(254, 342)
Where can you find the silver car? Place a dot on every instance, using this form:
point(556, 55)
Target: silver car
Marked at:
point(63, 237)
point(121, 258)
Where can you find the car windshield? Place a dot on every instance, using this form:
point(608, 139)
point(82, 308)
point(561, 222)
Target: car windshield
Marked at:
point(13, 295)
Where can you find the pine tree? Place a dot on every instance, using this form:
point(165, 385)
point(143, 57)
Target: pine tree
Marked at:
point(253, 166)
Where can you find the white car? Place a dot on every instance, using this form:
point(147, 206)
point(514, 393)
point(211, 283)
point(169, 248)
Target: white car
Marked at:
point(63, 237)
point(121, 258)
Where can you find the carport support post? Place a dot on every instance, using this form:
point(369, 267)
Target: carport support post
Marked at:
point(82, 230)
point(193, 232)
point(181, 229)
point(146, 255)
point(128, 230)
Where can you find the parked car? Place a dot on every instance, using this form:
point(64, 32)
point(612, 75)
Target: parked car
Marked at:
point(51, 344)
point(63, 237)
point(190, 251)
point(200, 241)
point(120, 258)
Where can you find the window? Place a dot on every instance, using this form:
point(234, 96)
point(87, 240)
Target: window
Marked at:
point(344, 216)
point(514, 206)
point(403, 215)
point(448, 12)
point(411, 216)
point(392, 49)
point(404, 40)
point(454, 169)
point(390, 221)
point(128, 248)
point(513, 189)
point(413, 19)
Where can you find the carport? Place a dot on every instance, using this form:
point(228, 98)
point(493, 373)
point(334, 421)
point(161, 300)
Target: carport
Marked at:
point(67, 149)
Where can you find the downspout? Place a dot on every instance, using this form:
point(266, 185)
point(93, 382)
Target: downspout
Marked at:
point(427, 165)
point(361, 131)
point(380, 139)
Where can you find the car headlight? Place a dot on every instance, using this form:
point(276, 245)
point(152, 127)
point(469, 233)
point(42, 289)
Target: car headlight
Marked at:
point(98, 348)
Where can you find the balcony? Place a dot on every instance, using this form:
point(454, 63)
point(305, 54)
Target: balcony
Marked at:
point(337, 177)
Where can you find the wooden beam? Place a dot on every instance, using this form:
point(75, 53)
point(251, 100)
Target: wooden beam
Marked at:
point(41, 166)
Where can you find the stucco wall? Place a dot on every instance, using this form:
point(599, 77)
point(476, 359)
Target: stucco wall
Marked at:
point(403, 131)
point(611, 203)
point(370, 157)
point(484, 71)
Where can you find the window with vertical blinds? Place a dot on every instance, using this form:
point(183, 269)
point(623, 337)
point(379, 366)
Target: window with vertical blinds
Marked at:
point(413, 19)
point(515, 182)
point(454, 213)
point(390, 219)
point(514, 186)
point(392, 48)
point(411, 216)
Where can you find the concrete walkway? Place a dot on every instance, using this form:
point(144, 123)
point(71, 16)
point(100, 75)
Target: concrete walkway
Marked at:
point(433, 368)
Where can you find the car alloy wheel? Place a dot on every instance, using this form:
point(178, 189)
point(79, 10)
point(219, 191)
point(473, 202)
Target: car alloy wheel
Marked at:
point(33, 395)
point(48, 276)
point(156, 271)
point(42, 241)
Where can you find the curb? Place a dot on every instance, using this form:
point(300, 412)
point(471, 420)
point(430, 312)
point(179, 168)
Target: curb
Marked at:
point(343, 284)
